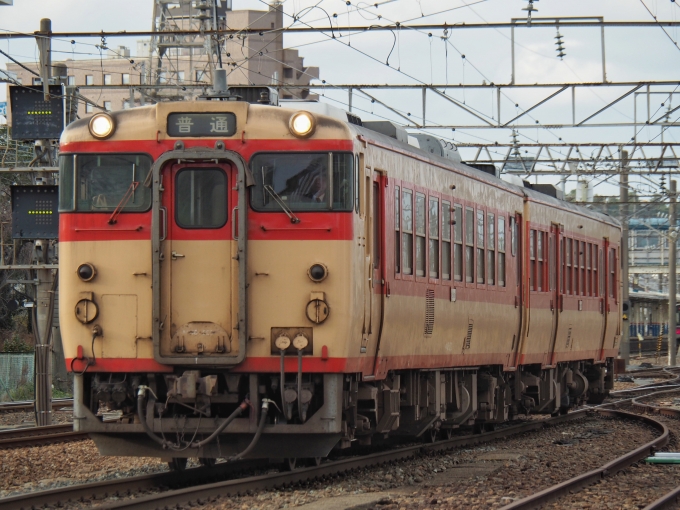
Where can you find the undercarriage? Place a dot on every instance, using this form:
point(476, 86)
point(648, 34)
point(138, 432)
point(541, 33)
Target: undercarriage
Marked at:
point(216, 414)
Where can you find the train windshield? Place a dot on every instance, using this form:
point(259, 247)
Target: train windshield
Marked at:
point(100, 183)
point(310, 181)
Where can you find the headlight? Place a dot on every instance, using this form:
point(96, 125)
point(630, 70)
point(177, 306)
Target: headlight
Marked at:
point(102, 125)
point(302, 124)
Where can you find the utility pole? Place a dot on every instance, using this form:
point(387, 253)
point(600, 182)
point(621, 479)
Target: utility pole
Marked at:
point(672, 277)
point(44, 42)
point(42, 253)
point(624, 351)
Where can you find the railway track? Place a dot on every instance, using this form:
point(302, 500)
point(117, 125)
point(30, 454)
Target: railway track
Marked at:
point(29, 405)
point(668, 500)
point(207, 492)
point(36, 436)
point(202, 492)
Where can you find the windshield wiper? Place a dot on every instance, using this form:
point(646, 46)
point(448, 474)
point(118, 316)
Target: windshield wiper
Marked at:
point(123, 202)
point(282, 204)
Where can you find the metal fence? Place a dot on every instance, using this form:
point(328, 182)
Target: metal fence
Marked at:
point(16, 371)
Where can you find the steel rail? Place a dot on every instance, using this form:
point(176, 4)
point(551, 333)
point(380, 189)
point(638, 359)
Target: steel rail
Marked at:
point(128, 486)
point(36, 436)
point(29, 405)
point(668, 500)
point(204, 493)
point(610, 468)
point(121, 486)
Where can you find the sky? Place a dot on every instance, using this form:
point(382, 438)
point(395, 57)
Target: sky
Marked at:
point(415, 57)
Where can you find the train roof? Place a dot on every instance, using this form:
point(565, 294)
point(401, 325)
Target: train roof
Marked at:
point(481, 175)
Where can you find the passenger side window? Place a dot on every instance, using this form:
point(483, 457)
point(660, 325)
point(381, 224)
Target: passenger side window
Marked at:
point(501, 251)
point(541, 265)
point(407, 231)
point(612, 273)
point(491, 249)
point(357, 180)
point(532, 259)
point(569, 280)
point(458, 243)
point(446, 240)
point(397, 226)
point(596, 286)
point(469, 245)
point(420, 234)
point(201, 198)
point(434, 237)
point(480, 247)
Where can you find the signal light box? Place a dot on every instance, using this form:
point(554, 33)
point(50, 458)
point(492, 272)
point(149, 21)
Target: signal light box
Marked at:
point(33, 118)
point(35, 212)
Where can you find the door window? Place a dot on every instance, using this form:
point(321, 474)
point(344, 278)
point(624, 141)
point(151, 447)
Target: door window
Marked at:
point(201, 198)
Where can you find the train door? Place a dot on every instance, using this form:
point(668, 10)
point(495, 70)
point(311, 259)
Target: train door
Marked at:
point(375, 233)
point(554, 264)
point(198, 269)
point(516, 247)
point(609, 299)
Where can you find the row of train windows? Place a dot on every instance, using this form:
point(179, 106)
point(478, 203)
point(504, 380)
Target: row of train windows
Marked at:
point(582, 272)
point(451, 242)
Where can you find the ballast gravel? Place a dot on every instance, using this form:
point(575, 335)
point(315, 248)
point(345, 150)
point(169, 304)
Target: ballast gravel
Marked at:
point(36, 468)
point(486, 477)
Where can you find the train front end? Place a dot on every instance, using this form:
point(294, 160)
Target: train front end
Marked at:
point(206, 270)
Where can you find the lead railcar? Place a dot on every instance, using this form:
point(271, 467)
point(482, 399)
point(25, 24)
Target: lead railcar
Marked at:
point(252, 280)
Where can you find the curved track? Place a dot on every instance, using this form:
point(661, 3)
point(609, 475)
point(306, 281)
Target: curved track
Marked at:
point(611, 468)
point(128, 486)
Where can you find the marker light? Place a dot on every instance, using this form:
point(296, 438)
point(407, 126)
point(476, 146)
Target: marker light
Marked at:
point(302, 124)
point(102, 125)
point(318, 272)
point(86, 272)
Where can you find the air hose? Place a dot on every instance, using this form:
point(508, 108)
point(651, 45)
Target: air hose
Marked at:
point(141, 394)
point(260, 428)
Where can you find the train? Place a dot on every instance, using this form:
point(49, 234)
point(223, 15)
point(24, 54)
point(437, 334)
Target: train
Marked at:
point(242, 278)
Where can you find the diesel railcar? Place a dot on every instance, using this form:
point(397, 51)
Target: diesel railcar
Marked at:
point(253, 280)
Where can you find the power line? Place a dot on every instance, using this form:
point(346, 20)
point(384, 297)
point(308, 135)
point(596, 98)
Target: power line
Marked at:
point(310, 29)
point(660, 24)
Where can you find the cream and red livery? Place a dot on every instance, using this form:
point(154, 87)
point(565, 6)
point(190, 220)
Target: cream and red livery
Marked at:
point(251, 280)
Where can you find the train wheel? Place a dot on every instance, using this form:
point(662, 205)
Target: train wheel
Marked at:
point(315, 461)
point(289, 464)
point(448, 433)
point(430, 436)
point(207, 462)
point(178, 464)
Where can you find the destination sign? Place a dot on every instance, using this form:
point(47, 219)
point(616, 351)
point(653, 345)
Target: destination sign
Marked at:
point(33, 118)
point(201, 124)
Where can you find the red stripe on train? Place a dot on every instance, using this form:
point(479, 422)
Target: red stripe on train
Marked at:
point(118, 365)
point(271, 364)
point(245, 149)
point(275, 226)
